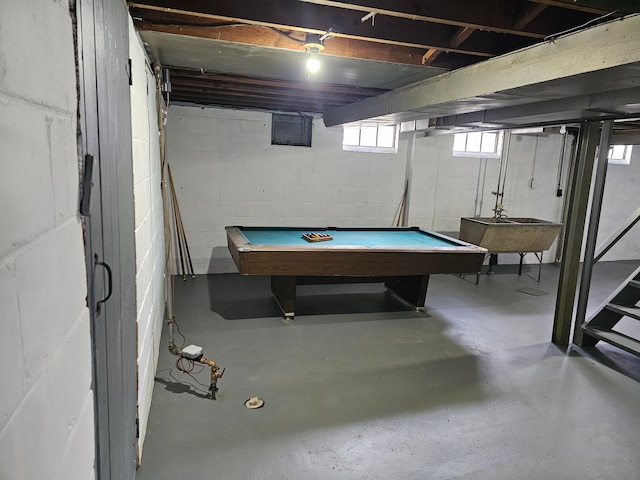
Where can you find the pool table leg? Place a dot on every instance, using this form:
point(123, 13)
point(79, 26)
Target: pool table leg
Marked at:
point(412, 289)
point(283, 288)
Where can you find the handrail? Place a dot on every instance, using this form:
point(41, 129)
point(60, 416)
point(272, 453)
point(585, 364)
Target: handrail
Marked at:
point(605, 246)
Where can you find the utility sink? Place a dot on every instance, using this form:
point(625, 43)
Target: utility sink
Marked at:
point(506, 235)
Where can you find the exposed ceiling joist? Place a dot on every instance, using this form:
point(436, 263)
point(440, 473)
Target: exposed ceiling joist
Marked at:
point(458, 38)
point(202, 87)
point(253, 12)
point(266, 37)
point(245, 54)
point(422, 30)
point(470, 14)
point(598, 7)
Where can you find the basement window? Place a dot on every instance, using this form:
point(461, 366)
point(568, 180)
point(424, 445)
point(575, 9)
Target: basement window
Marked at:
point(292, 129)
point(477, 144)
point(375, 139)
point(620, 154)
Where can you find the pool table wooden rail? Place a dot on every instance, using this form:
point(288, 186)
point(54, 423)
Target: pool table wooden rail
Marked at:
point(324, 259)
point(404, 270)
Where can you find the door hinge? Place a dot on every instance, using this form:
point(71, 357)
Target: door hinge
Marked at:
point(137, 427)
point(129, 72)
point(87, 179)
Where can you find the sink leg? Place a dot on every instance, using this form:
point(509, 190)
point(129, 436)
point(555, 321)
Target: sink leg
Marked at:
point(493, 260)
point(521, 260)
point(539, 265)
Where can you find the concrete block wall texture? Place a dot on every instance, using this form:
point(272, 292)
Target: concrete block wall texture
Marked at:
point(149, 226)
point(228, 173)
point(621, 200)
point(446, 187)
point(46, 405)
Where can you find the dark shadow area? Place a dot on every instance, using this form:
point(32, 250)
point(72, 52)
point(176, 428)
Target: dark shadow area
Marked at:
point(221, 261)
point(176, 385)
point(236, 297)
point(509, 269)
point(617, 359)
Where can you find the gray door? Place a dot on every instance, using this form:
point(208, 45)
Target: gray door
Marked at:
point(107, 203)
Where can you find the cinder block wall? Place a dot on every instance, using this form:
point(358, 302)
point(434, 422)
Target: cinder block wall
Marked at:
point(149, 226)
point(446, 188)
point(46, 404)
point(621, 200)
point(227, 173)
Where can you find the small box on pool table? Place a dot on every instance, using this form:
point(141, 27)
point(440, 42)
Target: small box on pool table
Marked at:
point(316, 237)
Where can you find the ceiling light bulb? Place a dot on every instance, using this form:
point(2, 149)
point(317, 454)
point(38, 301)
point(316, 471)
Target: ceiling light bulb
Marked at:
point(313, 62)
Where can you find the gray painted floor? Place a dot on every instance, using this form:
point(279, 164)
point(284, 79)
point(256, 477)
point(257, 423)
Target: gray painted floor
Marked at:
point(362, 387)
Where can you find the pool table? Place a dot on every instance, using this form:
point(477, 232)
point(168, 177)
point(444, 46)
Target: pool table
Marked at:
point(400, 257)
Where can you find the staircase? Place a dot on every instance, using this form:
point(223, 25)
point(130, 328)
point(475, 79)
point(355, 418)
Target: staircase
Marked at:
point(622, 303)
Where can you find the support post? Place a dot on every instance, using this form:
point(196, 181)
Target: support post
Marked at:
point(574, 231)
point(592, 232)
point(283, 288)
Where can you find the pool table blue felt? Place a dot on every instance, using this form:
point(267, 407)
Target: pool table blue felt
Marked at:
point(365, 238)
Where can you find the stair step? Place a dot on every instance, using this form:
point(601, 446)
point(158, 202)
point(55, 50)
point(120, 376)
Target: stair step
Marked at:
point(626, 310)
point(634, 283)
point(619, 340)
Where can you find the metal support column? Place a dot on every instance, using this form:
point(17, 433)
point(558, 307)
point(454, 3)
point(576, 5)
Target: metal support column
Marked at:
point(592, 232)
point(578, 199)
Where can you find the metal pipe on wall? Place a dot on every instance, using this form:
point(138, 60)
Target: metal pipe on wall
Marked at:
point(561, 162)
point(502, 174)
point(565, 204)
point(482, 178)
point(168, 279)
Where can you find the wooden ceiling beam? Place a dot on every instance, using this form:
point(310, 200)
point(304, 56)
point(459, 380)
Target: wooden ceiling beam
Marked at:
point(532, 10)
point(237, 91)
point(229, 89)
point(266, 82)
point(474, 14)
point(460, 36)
point(256, 102)
point(266, 37)
point(390, 32)
point(596, 7)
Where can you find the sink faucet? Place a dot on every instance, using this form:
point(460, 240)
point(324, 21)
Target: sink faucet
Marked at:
point(499, 211)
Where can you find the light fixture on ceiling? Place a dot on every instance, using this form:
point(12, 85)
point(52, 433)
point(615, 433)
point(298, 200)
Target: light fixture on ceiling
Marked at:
point(313, 45)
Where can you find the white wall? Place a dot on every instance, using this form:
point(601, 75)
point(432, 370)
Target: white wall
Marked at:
point(228, 173)
point(446, 188)
point(620, 200)
point(149, 226)
point(46, 404)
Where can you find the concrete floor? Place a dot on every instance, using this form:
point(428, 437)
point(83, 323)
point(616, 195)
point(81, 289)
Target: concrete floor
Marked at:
point(362, 387)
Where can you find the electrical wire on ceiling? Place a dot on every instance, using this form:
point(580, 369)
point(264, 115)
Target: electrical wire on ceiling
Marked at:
point(552, 37)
